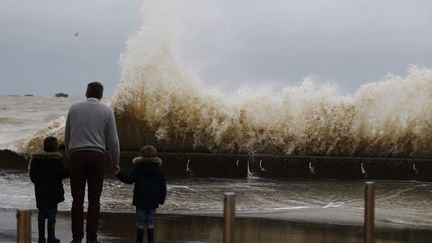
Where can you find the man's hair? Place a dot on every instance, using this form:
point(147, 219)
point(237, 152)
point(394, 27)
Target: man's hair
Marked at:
point(50, 144)
point(148, 151)
point(94, 90)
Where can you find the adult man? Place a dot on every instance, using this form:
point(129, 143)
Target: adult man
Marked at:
point(90, 128)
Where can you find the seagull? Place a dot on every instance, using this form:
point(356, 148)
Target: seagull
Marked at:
point(188, 170)
point(262, 168)
point(415, 169)
point(76, 34)
point(311, 168)
point(363, 170)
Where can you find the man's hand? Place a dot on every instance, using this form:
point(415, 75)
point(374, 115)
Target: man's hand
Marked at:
point(115, 169)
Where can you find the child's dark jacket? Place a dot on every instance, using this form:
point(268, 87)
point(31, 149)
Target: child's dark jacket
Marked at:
point(150, 182)
point(46, 172)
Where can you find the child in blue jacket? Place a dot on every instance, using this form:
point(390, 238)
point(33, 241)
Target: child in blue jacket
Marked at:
point(149, 189)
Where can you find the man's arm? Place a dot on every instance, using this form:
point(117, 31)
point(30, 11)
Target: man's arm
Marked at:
point(112, 140)
point(67, 134)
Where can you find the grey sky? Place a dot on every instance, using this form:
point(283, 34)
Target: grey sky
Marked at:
point(41, 55)
point(229, 43)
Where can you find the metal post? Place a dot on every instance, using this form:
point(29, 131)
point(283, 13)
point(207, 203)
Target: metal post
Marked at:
point(23, 226)
point(229, 216)
point(369, 212)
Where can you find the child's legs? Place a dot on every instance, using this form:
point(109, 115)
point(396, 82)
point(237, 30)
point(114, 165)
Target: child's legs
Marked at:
point(46, 213)
point(150, 218)
point(51, 214)
point(140, 218)
point(42, 214)
point(150, 222)
point(145, 218)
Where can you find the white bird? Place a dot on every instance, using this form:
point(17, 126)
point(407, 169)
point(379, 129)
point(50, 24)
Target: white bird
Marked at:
point(415, 169)
point(262, 168)
point(311, 168)
point(188, 170)
point(363, 170)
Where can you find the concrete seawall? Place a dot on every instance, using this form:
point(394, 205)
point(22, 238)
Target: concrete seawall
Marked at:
point(265, 165)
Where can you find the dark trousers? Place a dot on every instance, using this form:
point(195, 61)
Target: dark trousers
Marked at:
point(86, 166)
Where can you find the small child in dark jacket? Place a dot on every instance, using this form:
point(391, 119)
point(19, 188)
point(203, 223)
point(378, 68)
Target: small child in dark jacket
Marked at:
point(47, 172)
point(149, 189)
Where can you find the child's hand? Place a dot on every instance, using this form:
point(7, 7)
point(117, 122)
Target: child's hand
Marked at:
point(115, 169)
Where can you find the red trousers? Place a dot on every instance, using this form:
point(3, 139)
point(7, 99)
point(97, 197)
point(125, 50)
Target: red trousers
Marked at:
point(86, 167)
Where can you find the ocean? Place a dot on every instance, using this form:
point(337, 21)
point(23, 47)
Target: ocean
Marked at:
point(22, 117)
point(399, 204)
point(163, 99)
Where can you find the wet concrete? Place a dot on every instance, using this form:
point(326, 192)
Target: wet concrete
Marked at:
point(204, 229)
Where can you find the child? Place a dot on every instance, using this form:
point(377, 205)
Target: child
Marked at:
point(149, 189)
point(47, 172)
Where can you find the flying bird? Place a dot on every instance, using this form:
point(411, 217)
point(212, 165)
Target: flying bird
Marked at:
point(76, 34)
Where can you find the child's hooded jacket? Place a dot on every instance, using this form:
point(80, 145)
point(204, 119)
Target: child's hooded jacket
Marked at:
point(46, 172)
point(150, 182)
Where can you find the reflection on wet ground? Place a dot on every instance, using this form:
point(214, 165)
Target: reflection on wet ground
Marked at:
point(120, 227)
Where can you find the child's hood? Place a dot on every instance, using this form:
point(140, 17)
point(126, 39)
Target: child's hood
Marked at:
point(150, 160)
point(36, 158)
point(147, 166)
point(47, 155)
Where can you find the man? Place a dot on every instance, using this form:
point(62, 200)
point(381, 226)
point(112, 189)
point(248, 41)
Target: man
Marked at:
point(90, 128)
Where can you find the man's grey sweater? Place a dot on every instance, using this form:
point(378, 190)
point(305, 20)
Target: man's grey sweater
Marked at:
point(90, 125)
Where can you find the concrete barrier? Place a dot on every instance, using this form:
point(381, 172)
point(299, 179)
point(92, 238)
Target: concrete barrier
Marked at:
point(268, 165)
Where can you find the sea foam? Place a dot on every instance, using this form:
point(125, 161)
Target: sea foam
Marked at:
point(161, 101)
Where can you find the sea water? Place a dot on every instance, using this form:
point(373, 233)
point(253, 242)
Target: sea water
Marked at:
point(403, 204)
point(22, 117)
